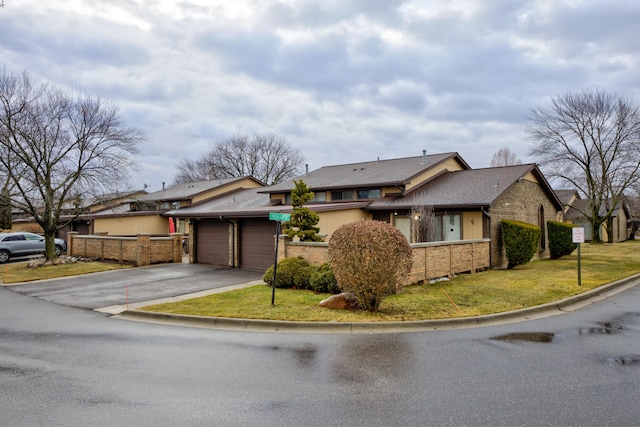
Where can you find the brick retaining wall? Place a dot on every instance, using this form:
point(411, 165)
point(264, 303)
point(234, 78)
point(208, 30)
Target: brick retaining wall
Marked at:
point(140, 250)
point(430, 260)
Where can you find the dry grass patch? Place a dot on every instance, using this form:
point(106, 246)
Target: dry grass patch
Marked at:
point(19, 272)
point(493, 291)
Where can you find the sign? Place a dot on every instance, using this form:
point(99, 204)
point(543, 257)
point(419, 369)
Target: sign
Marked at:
point(577, 234)
point(279, 216)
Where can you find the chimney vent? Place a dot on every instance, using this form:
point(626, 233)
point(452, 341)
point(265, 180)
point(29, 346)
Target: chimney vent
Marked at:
point(306, 168)
point(424, 157)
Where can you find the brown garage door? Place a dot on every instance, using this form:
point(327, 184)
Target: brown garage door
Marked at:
point(257, 244)
point(212, 242)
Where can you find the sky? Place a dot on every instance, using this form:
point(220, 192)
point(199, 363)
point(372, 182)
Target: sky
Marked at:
point(343, 80)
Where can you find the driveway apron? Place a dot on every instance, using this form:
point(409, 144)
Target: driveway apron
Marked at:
point(134, 285)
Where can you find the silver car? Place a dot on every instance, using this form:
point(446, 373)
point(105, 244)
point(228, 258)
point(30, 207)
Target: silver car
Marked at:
point(21, 244)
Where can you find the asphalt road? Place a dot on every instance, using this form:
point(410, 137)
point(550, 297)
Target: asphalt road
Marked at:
point(67, 366)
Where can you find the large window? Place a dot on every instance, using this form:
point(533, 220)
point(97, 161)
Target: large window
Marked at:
point(369, 194)
point(342, 195)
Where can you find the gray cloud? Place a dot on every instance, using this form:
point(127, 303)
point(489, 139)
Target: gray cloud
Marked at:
point(343, 80)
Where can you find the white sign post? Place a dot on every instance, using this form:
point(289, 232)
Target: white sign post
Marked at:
point(577, 235)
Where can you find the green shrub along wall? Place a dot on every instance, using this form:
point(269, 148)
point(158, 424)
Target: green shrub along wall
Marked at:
point(520, 241)
point(560, 239)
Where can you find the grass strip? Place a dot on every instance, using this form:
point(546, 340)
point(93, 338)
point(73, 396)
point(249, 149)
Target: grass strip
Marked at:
point(487, 292)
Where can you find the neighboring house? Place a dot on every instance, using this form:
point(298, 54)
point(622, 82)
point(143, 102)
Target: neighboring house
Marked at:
point(577, 213)
point(567, 197)
point(146, 214)
point(467, 204)
point(80, 210)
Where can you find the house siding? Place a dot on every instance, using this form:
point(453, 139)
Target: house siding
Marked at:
point(472, 225)
point(331, 221)
point(131, 225)
point(521, 202)
point(449, 165)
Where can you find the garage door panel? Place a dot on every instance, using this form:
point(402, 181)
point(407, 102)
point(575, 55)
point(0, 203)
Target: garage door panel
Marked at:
point(257, 243)
point(212, 242)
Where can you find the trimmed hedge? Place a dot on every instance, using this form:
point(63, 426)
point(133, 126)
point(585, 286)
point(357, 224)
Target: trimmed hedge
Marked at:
point(323, 280)
point(292, 273)
point(520, 241)
point(296, 273)
point(560, 239)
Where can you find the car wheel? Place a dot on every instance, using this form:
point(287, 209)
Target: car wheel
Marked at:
point(4, 256)
point(58, 250)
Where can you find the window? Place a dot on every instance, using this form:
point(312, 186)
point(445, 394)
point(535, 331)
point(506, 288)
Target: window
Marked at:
point(369, 194)
point(320, 196)
point(342, 195)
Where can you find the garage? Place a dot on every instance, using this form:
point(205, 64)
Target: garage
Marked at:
point(257, 244)
point(212, 242)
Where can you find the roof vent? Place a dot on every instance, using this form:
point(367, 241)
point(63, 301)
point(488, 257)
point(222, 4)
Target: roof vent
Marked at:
point(424, 157)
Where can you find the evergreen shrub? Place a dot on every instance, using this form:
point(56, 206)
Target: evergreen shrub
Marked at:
point(560, 239)
point(520, 241)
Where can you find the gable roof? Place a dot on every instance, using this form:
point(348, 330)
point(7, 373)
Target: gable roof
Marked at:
point(191, 189)
point(467, 188)
point(565, 196)
point(580, 209)
point(367, 174)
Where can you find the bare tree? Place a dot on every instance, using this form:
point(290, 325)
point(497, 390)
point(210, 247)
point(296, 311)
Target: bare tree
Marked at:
point(591, 140)
point(56, 146)
point(424, 223)
point(267, 157)
point(504, 157)
point(193, 171)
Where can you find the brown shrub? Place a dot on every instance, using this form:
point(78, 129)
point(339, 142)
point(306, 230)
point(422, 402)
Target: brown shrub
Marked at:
point(369, 259)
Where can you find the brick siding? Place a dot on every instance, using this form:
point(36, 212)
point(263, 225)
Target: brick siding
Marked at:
point(141, 250)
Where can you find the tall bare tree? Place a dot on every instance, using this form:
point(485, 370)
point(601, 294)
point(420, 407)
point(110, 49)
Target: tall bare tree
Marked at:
point(57, 145)
point(504, 157)
point(590, 139)
point(267, 157)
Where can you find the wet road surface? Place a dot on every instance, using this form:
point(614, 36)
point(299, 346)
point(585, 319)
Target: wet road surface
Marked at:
point(65, 366)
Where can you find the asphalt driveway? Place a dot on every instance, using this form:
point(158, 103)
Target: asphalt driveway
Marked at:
point(135, 285)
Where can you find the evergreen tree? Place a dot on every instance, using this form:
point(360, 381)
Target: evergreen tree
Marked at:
point(303, 221)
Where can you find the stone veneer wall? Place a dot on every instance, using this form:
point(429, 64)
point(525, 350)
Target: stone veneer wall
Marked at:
point(430, 260)
point(141, 250)
point(520, 203)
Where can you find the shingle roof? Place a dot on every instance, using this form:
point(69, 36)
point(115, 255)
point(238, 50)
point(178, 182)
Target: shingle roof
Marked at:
point(566, 195)
point(475, 187)
point(250, 203)
point(188, 190)
point(374, 173)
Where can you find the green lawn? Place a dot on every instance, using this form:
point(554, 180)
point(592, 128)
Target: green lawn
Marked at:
point(493, 291)
point(19, 272)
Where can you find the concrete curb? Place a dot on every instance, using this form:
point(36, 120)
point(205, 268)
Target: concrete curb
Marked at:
point(558, 307)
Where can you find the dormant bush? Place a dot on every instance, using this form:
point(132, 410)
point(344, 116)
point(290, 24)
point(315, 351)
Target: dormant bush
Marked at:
point(369, 259)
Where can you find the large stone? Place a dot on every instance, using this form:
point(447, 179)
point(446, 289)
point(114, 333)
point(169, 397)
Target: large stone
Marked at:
point(338, 302)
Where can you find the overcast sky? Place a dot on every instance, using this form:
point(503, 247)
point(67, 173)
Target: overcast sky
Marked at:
point(344, 80)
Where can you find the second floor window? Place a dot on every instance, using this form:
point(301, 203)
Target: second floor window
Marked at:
point(342, 195)
point(369, 194)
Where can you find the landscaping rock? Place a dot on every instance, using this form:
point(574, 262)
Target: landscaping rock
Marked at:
point(339, 302)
